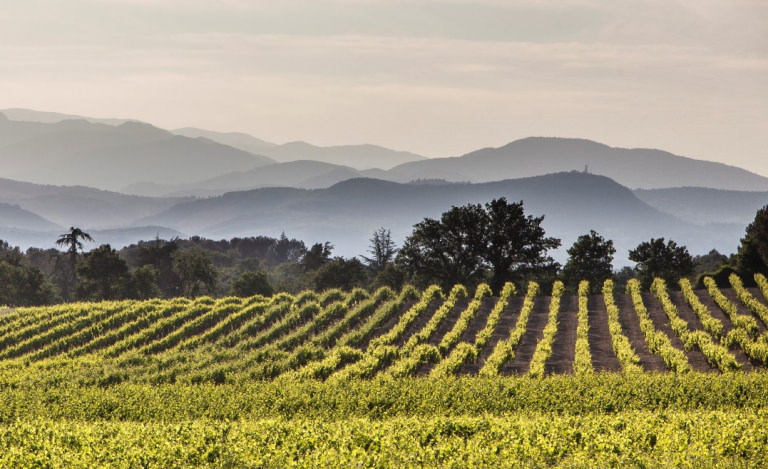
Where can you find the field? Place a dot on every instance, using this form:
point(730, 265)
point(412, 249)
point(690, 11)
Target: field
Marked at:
point(410, 378)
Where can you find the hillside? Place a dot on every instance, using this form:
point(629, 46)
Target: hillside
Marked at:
point(80, 206)
point(239, 381)
point(357, 335)
point(704, 205)
point(298, 174)
point(34, 215)
point(15, 217)
point(67, 149)
point(78, 152)
point(634, 168)
point(30, 115)
point(348, 212)
point(356, 156)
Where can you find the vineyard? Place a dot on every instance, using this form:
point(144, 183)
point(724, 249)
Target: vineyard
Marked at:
point(385, 378)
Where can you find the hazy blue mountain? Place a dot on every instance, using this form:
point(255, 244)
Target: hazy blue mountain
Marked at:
point(355, 156)
point(77, 152)
point(703, 205)
point(243, 141)
point(115, 153)
point(34, 215)
point(347, 213)
point(14, 217)
point(80, 206)
point(635, 168)
point(299, 174)
point(117, 237)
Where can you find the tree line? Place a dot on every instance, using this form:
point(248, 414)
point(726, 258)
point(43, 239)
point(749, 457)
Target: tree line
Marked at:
point(496, 242)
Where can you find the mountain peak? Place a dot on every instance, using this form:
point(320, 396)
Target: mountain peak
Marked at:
point(551, 143)
point(136, 125)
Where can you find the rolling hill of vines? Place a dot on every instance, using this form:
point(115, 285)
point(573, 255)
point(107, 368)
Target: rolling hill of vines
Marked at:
point(338, 335)
point(655, 377)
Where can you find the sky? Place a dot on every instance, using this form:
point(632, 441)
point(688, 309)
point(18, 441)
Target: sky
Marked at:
point(439, 78)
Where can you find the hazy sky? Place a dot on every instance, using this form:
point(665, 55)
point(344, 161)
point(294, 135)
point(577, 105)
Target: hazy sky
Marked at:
point(439, 78)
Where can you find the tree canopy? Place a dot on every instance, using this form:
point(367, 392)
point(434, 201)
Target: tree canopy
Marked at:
point(382, 250)
point(103, 273)
point(73, 241)
point(752, 256)
point(252, 283)
point(655, 258)
point(590, 258)
point(496, 242)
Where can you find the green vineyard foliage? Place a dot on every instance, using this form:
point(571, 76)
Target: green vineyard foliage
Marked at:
point(385, 379)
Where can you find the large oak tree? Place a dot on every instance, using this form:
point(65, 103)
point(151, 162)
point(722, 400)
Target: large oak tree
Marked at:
point(496, 242)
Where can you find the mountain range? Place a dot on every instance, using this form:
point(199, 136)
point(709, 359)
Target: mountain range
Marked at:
point(634, 168)
point(357, 156)
point(79, 171)
point(78, 152)
point(140, 158)
point(348, 212)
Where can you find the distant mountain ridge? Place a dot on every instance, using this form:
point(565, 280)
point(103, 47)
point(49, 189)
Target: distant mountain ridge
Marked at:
point(19, 114)
point(203, 162)
point(17, 218)
point(360, 157)
point(577, 184)
point(703, 205)
point(346, 213)
point(35, 214)
point(523, 158)
point(302, 174)
point(80, 206)
point(78, 152)
point(634, 168)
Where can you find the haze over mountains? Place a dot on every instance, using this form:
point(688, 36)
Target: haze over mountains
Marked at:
point(253, 187)
point(345, 213)
point(357, 156)
point(78, 152)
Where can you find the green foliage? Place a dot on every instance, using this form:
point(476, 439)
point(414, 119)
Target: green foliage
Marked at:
point(667, 261)
point(713, 439)
point(708, 263)
point(472, 243)
point(712, 325)
point(196, 272)
point(252, 283)
point(656, 340)
point(22, 285)
point(73, 241)
point(288, 381)
point(630, 362)
point(590, 258)
point(544, 348)
point(716, 354)
point(345, 274)
point(316, 256)
point(484, 335)
point(719, 275)
point(452, 337)
point(505, 349)
point(582, 362)
point(382, 250)
point(752, 256)
point(747, 299)
point(103, 275)
point(390, 276)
